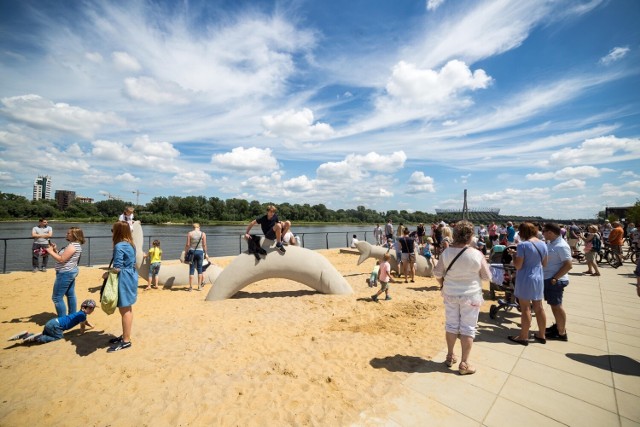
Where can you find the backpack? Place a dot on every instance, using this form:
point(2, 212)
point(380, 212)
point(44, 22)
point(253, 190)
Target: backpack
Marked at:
point(597, 243)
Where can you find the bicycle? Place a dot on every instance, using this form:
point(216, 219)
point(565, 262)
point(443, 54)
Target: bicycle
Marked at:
point(631, 254)
point(606, 255)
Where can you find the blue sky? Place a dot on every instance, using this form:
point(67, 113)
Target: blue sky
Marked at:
point(532, 106)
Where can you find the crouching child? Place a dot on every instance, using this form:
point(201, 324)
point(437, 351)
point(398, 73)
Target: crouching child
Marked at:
point(54, 328)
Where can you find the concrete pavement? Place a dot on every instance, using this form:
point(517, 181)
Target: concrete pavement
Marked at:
point(591, 380)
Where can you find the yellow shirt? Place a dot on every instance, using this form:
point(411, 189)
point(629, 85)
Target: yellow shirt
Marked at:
point(155, 255)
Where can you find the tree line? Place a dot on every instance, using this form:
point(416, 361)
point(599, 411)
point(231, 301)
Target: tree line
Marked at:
point(212, 210)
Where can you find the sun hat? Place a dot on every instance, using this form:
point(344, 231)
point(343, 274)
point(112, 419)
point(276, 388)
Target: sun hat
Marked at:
point(89, 303)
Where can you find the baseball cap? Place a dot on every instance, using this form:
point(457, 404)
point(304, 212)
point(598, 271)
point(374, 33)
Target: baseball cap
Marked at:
point(88, 303)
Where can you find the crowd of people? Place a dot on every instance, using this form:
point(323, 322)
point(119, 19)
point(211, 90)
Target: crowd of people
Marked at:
point(542, 255)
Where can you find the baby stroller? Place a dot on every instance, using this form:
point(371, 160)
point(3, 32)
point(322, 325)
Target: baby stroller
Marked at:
point(503, 278)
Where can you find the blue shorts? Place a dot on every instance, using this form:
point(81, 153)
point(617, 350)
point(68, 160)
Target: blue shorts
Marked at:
point(553, 293)
point(154, 268)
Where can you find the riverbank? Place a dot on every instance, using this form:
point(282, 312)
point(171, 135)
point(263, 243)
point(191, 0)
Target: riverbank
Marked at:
point(277, 354)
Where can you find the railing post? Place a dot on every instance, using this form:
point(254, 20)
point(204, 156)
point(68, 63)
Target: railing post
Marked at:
point(4, 257)
point(327, 239)
point(88, 251)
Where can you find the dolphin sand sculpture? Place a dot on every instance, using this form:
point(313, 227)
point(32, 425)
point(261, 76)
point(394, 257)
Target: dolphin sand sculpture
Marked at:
point(367, 250)
point(298, 264)
point(169, 275)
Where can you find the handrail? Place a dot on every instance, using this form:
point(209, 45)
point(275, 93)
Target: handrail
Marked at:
point(16, 254)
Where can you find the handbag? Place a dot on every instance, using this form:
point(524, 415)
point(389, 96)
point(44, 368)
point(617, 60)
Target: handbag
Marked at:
point(188, 256)
point(109, 292)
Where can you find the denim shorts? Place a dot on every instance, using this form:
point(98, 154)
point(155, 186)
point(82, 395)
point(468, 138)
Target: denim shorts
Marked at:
point(553, 293)
point(154, 268)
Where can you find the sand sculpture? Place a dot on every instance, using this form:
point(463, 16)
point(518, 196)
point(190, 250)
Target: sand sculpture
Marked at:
point(299, 264)
point(367, 250)
point(170, 275)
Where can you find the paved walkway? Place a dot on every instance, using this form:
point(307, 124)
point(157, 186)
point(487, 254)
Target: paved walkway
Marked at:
point(592, 380)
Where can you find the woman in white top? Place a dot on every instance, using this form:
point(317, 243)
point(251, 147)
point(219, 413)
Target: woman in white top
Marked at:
point(461, 281)
point(66, 271)
point(197, 242)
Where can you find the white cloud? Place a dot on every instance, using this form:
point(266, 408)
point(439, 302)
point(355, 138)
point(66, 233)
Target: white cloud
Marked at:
point(159, 150)
point(434, 4)
point(125, 62)
point(629, 174)
point(570, 184)
point(250, 160)
point(39, 112)
point(94, 57)
point(409, 83)
point(567, 173)
point(296, 124)
point(615, 54)
point(358, 166)
point(150, 90)
point(127, 177)
point(142, 153)
point(420, 183)
point(604, 149)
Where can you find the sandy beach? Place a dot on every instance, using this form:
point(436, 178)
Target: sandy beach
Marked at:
point(278, 353)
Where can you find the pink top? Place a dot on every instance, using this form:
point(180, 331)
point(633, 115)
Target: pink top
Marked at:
point(385, 272)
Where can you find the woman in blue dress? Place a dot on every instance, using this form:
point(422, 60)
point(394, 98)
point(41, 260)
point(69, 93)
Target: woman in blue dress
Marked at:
point(531, 257)
point(124, 263)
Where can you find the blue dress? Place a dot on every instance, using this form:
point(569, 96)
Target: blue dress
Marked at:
point(530, 278)
point(124, 258)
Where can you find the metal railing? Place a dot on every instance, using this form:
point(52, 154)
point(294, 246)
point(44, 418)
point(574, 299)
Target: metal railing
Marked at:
point(97, 250)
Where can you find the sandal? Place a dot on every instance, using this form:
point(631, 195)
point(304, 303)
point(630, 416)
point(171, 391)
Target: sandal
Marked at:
point(466, 369)
point(514, 338)
point(450, 360)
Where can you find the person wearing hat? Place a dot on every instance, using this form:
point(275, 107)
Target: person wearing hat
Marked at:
point(54, 328)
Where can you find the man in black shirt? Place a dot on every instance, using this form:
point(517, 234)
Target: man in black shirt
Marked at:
point(271, 227)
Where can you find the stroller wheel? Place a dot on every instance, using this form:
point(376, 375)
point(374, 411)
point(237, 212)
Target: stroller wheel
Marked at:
point(493, 310)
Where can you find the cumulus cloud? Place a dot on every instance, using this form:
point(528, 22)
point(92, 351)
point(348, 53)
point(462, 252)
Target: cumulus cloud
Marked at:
point(357, 166)
point(568, 173)
point(629, 174)
point(142, 153)
point(149, 90)
point(127, 177)
point(425, 86)
point(570, 184)
point(125, 62)
point(604, 149)
point(615, 54)
point(420, 183)
point(161, 149)
point(42, 113)
point(296, 125)
point(250, 160)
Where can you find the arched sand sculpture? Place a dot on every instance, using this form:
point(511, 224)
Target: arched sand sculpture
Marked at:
point(170, 275)
point(298, 264)
point(367, 250)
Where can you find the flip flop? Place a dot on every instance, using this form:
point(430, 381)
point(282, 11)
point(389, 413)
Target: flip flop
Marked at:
point(19, 335)
point(514, 338)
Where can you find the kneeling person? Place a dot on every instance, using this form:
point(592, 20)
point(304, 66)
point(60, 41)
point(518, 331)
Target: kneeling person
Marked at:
point(54, 328)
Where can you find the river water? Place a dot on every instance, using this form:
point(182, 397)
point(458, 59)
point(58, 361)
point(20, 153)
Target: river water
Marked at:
point(224, 240)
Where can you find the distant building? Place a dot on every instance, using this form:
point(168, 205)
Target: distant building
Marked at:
point(64, 198)
point(82, 199)
point(42, 188)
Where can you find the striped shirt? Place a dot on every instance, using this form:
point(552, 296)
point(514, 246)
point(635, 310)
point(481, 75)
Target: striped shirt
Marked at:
point(72, 262)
